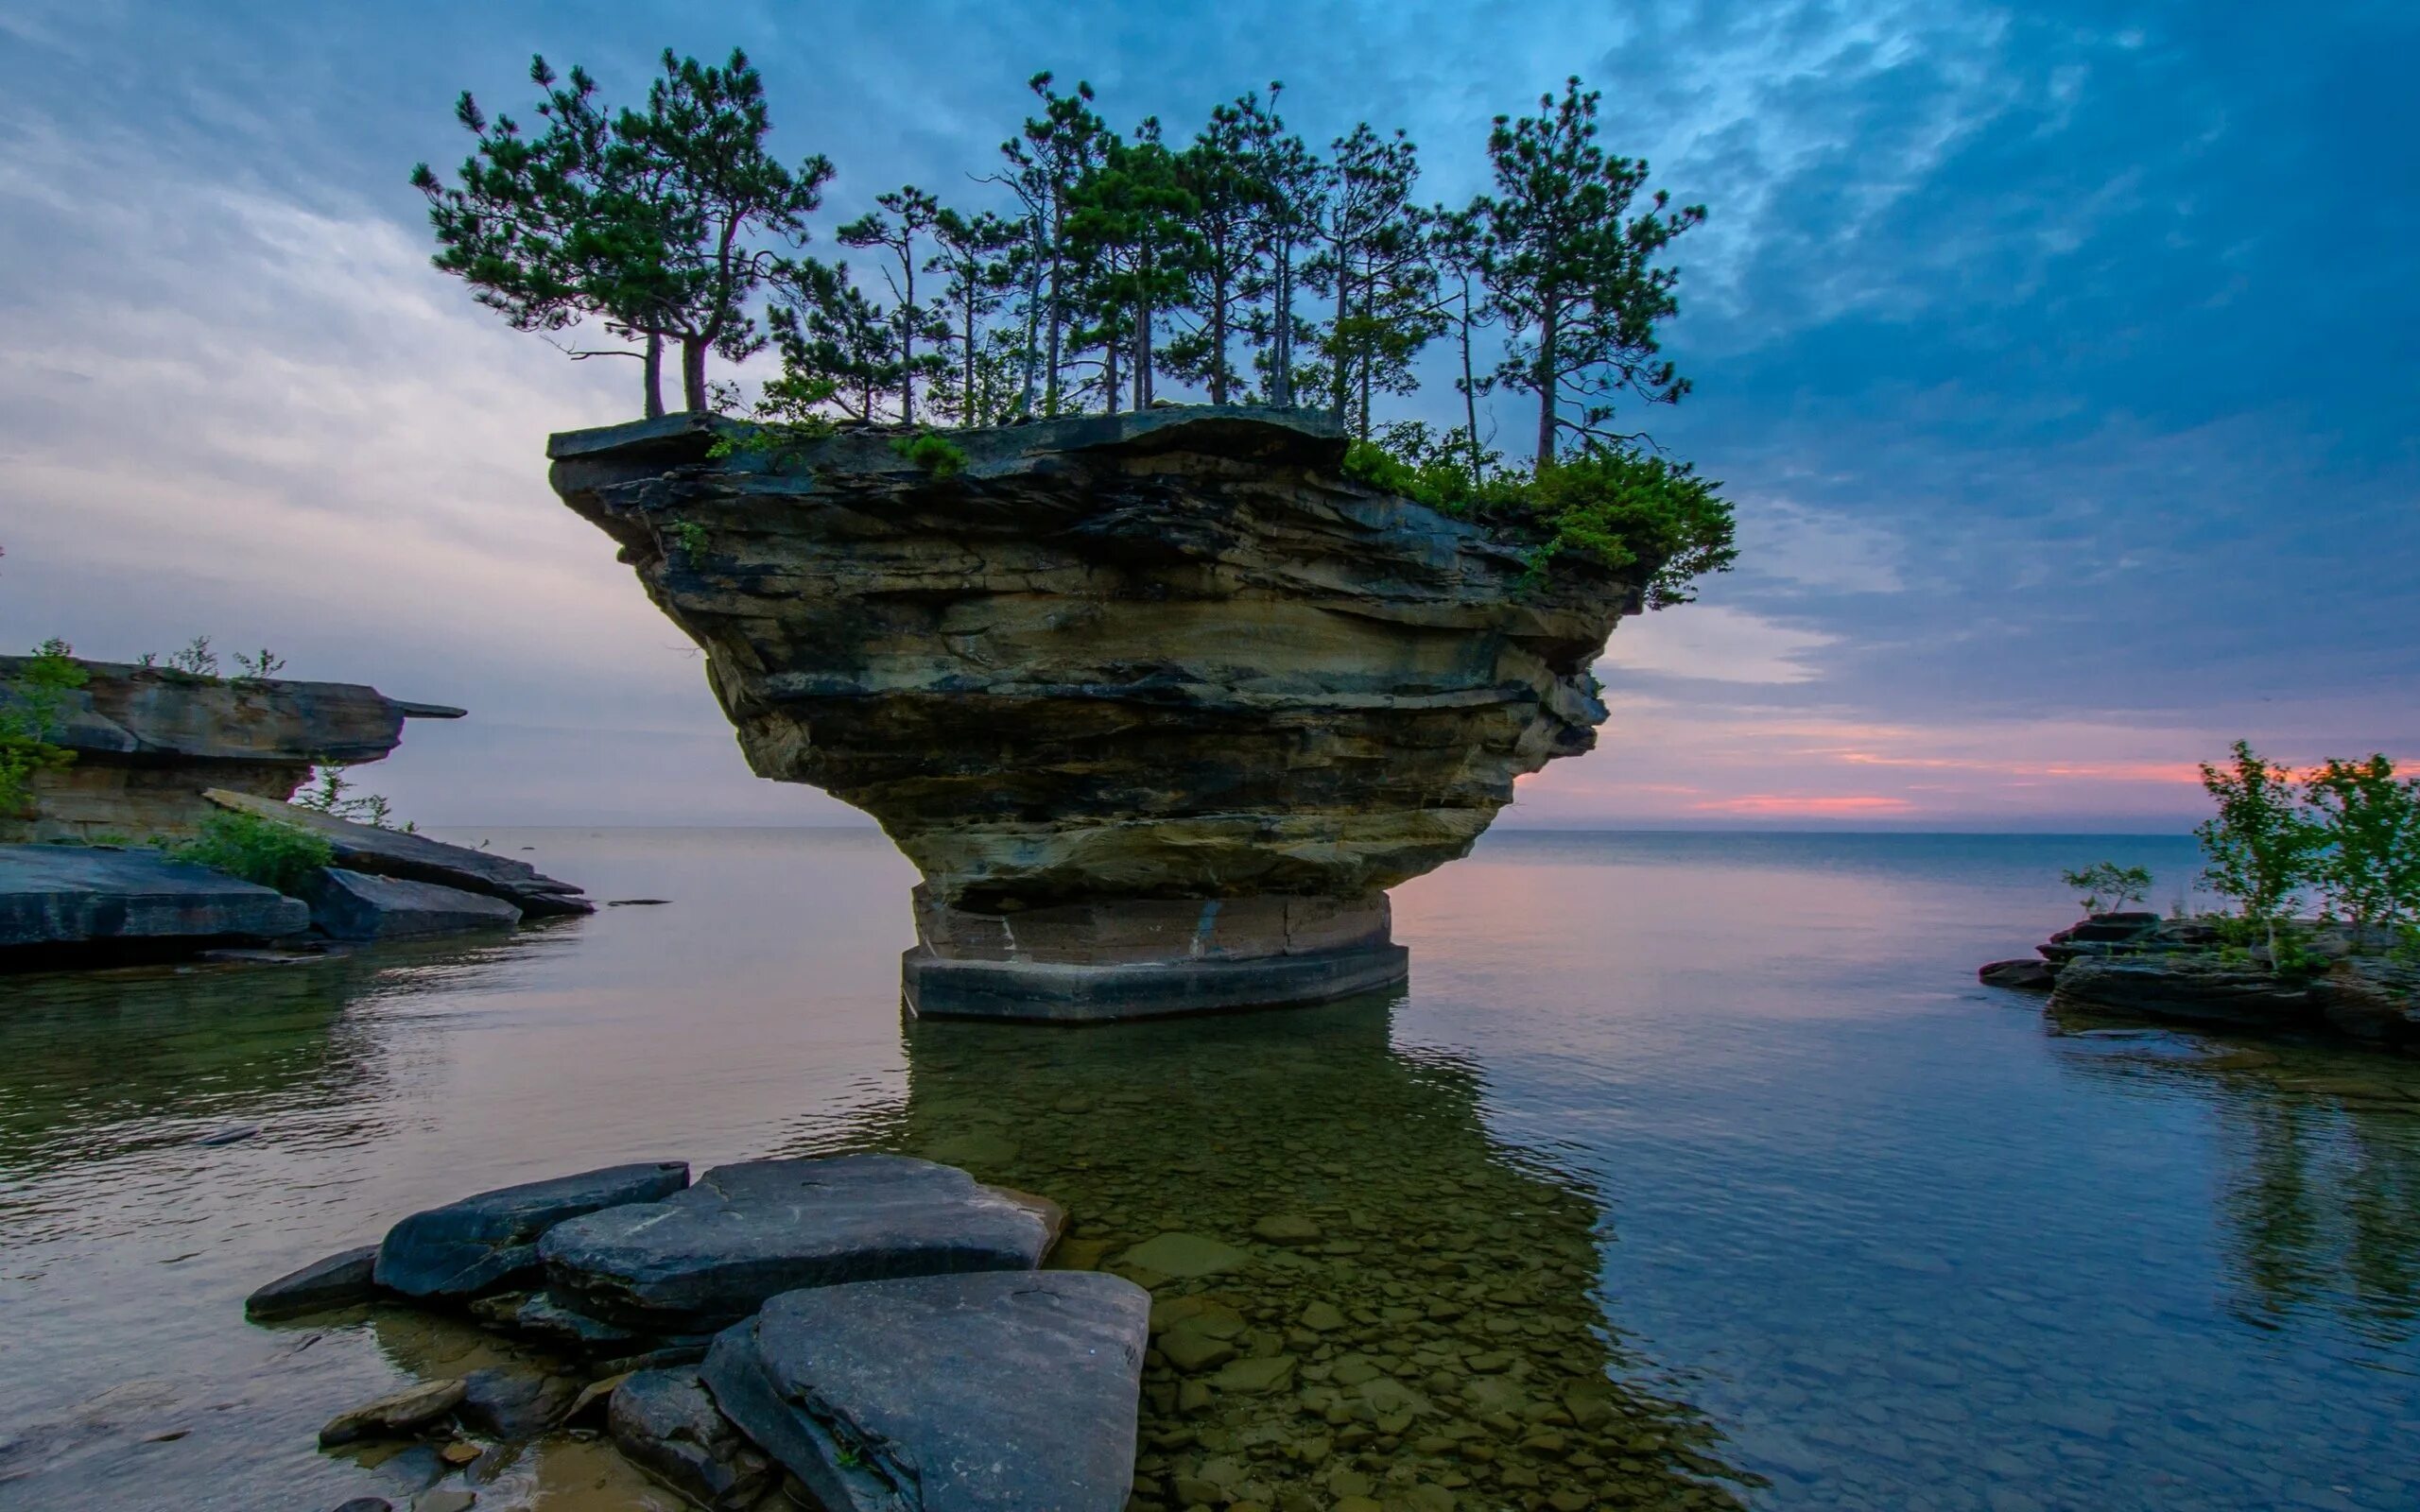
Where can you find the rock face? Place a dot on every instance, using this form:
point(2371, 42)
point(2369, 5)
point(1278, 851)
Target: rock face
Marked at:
point(1169, 658)
point(357, 906)
point(71, 895)
point(488, 1241)
point(148, 741)
point(706, 1256)
point(901, 1396)
point(665, 1422)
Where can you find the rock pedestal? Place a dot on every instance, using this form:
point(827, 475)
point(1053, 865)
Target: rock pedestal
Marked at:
point(1131, 666)
point(1146, 957)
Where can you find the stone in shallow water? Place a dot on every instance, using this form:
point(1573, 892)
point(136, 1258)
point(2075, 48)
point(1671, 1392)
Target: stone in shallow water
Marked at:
point(516, 1403)
point(665, 1422)
point(487, 1242)
point(996, 1392)
point(340, 1280)
point(354, 905)
point(74, 895)
point(399, 1414)
point(1185, 1256)
point(710, 1255)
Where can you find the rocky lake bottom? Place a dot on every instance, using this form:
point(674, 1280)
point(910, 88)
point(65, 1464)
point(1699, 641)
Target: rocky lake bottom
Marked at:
point(1689, 1171)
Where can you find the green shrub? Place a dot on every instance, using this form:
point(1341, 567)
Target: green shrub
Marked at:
point(256, 850)
point(936, 453)
point(32, 705)
point(1621, 508)
point(2119, 884)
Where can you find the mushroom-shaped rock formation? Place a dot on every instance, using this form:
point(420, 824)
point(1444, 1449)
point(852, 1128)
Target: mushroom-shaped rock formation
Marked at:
point(1159, 703)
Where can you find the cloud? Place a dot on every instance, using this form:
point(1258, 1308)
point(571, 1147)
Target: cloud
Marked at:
point(1713, 643)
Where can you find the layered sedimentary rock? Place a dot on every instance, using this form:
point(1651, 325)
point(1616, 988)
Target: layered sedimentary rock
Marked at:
point(148, 742)
point(1116, 663)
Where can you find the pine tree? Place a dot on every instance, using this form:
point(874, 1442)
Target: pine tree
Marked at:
point(1577, 282)
point(1218, 174)
point(836, 344)
point(1292, 185)
point(1054, 153)
point(552, 230)
point(1373, 260)
point(977, 259)
point(698, 152)
point(1131, 227)
point(1457, 252)
point(917, 214)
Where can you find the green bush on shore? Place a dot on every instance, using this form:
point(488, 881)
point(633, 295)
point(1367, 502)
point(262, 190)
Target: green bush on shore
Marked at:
point(256, 850)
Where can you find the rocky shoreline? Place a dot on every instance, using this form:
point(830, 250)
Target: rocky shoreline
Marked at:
point(2340, 982)
point(859, 1333)
point(157, 757)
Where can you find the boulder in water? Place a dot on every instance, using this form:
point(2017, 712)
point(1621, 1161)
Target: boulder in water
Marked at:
point(489, 1241)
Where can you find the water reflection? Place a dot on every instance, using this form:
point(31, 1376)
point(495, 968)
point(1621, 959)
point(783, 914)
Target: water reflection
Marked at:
point(1410, 1314)
point(2319, 1155)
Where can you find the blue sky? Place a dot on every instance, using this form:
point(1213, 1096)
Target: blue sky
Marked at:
point(2062, 360)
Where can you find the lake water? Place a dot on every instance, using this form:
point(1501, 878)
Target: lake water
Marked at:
point(1688, 1171)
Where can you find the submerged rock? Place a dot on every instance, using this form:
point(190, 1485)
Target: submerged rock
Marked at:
point(402, 1413)
point(341, 1280)
point(417, 858)
point(53, 895)
point(357, 906)
point(976, 1393)
point(488, 1241)
point(516, 1403)
point(706, 1256)
point(665, 1422)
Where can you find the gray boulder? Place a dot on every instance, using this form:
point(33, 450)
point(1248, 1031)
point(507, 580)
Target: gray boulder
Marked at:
point(708, 1256)
point(2026, 974)
point(340, 1280)
point(356, 905)
point(418, 858)
point(73, 895)
point(667, 1425)
point(490, 1242)
point(999, 1392)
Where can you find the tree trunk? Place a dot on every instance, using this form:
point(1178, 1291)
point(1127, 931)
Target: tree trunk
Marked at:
point(1342, 379)
point(1032, 352)
point(907, 343)
point(1546, 381)
point(653, 369)
point(693, 375)
point(1109, 347)
point(1218, 341)
point(966, 391)
point(1281, 367)
point(1470, 386)
point(1142, 353)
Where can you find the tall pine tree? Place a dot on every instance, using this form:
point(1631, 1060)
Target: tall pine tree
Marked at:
point(1577, 283)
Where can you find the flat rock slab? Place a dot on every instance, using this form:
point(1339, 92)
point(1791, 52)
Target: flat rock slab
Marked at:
point(708, 1256)
point(356, 906)
point(340, 1280)
point(418, 858)
point(997, 1392)
point(489, 1241)
point(402, 1413)
point(72, 895)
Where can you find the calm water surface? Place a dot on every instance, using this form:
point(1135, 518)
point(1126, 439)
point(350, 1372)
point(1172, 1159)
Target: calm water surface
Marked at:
point(1690, 1171)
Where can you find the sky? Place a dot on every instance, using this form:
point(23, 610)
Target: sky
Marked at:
point(2062, 360)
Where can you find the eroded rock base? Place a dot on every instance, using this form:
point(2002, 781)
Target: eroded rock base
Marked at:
point(1146, 958)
